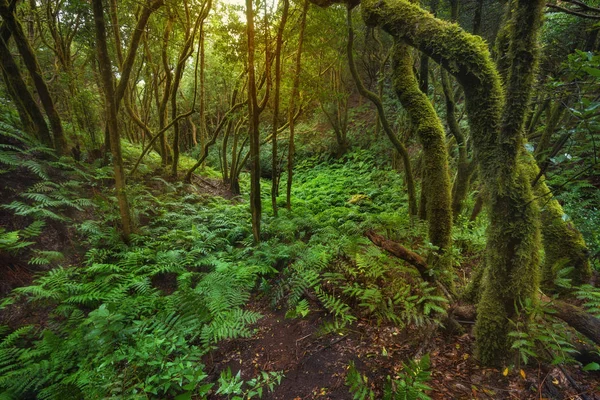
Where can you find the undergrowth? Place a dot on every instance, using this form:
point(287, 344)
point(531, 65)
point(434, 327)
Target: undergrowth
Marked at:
point(134, 320)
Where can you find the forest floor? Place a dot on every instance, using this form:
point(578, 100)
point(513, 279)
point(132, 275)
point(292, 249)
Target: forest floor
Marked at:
point(315, 365)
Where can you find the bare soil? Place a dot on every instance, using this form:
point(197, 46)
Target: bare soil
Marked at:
point(315, 366)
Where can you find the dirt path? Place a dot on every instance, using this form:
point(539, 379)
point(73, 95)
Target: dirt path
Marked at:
point(315, 365)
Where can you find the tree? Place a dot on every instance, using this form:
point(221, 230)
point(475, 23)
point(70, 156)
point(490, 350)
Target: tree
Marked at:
point(253, 128)
point(275, 161)
point(292, 106)
point(512, 259)
point(31, 62)
point(110, 102)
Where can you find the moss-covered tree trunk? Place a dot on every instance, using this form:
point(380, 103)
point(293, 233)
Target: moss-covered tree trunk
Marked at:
point(430, 132)
point(564, 246)
point(514, 233)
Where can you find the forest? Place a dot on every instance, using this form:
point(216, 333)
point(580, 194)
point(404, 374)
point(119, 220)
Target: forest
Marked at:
point(299, 199)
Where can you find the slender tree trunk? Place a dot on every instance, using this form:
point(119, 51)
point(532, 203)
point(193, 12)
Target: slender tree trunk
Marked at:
point(376, 100)
point(477, 16)
point(253, 132)
point(292, 106)
point(111, 116)
point(274, 161)
point(30, 61)
point(460, 188)
point(162, 109)
point(543, 147)
point(28, 108)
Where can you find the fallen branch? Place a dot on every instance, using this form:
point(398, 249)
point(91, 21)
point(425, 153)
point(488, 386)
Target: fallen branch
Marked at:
point(414, 259)
point(576, 317)
point(401, 252)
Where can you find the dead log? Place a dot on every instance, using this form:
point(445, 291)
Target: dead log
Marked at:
point(401, 252)
point(576, 317)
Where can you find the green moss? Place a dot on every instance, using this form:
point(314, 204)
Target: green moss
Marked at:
point(512, 259)
point(430, 132)
point(563, 244)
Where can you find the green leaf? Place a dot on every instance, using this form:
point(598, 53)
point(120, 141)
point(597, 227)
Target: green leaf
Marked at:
point(184, 396)
point(592, 367)
point(592, 71)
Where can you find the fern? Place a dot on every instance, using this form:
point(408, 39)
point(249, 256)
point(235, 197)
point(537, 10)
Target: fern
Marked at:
point(358, 384)
point(411, 384)
point(45, 257)
point(229, 325)
point(335, 305)
point(10, 241)
point(591, 296)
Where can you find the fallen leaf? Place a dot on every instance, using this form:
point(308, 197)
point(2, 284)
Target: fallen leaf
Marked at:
point(505, 372)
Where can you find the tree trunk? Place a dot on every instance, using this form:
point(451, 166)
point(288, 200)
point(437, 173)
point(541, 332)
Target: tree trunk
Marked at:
point(274, 161)
point(512, 272)
point(111, 116)
point(30, 61)
point(253, 125)
point(292, 106)
point(376, 100)
point(430, 132)
point(460, 189)
point(28, 109)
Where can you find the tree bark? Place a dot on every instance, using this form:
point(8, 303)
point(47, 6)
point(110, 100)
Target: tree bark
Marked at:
point(111, 116)
point(30, 61)
point(292, 106)
point(274, 161)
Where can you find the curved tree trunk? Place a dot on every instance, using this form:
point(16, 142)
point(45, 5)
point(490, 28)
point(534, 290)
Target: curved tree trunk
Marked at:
point(430, 132)
point(376, 100)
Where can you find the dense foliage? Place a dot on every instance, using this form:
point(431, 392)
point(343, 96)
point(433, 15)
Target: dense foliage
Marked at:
point(174, 171)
